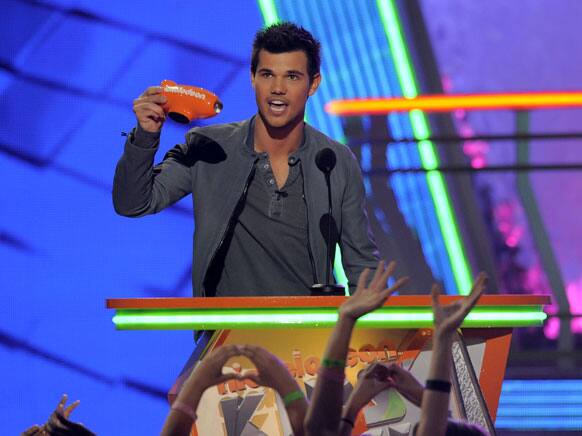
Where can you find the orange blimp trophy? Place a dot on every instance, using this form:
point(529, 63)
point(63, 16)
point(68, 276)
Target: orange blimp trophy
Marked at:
point(187, 103)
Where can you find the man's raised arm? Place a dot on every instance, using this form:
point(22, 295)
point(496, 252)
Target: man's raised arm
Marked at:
point(139, 188)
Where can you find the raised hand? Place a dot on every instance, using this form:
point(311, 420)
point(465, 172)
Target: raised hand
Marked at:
point(405, 383)
point(59, 422)
point(371, 381)
point(367, 299)
point(35, 430)
point(449, 318)
point(149, 109)
point(209, 371)
point(270, 372)
point(66, 411)
point(273, 373)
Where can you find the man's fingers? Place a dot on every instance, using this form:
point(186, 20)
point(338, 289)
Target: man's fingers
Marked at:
point(153, 90)
point(157, 98)
point(146, 106)
point(142, 116)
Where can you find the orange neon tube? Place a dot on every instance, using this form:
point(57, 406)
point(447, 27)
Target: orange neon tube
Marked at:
point(443, 103)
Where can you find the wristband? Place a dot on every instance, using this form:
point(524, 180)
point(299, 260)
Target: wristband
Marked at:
point(293, 396)
point(333, 363)
point(348, 421)
point(184, 408)
point(438, 385)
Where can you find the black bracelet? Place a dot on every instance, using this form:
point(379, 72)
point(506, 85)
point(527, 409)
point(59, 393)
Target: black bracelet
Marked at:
point(438, 385)
point(349, 421)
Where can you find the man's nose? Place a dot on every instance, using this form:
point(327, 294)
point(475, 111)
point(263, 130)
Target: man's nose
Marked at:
point(279, 86)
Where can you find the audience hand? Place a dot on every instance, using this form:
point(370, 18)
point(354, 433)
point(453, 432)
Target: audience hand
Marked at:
point(371, 381)
point(35, 430)
point(273, 373)
point(377, 378)
point(270, 372)
point(209, 373)
point(405, 383)
point(59, 423)
point(367, 299)
point(447, 319)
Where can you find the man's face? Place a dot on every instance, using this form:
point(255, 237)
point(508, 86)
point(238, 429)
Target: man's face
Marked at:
point(282, 86)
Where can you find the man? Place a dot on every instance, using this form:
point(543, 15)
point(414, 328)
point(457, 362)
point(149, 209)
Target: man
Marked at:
point(259, 197)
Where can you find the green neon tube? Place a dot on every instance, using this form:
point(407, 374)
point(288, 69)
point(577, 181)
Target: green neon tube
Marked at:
point(269, 12)
point(428, 155)
point(286, 318)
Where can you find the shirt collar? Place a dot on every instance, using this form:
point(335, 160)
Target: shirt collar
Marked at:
point(294, 157)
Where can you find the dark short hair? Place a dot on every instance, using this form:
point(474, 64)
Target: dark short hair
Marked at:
point(285, 37)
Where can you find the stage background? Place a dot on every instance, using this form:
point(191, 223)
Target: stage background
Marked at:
point(69, 71)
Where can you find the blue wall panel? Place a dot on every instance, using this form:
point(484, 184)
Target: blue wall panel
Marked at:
point(69, 71)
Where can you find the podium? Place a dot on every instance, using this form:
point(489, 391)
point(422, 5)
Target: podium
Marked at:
point(296, 329)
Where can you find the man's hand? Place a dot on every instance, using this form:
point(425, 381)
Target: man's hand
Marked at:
point(149, 109)
point(447, 319)
point(271, 371)
point(366, 300)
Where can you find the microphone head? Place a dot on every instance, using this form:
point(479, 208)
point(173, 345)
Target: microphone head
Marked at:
point(325, 160)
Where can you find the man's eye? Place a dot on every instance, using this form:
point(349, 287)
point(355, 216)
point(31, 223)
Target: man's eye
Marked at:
point(293, 76)
point(267, 74)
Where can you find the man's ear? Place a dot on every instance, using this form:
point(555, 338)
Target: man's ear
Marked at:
point(252, 80)
point(315, 81)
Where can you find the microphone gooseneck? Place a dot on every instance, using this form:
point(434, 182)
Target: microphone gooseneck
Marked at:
point(325, 160)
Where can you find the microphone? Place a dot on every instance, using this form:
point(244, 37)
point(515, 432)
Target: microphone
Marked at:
point(325, 160)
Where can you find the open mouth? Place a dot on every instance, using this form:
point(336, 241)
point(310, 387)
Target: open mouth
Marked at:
point(277, 106)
